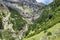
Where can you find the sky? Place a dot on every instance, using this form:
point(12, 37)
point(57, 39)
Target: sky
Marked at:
point(46, 2)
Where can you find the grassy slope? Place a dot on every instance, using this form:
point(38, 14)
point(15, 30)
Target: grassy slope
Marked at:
point(38, 36)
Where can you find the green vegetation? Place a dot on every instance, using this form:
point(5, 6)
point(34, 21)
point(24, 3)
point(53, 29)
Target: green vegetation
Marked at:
point(46, 27)
point(49, 33)
point(6, 34)
point(1, 26)
point(52, 30)
point(17, 20)
point(1, 5)
point(49, 17)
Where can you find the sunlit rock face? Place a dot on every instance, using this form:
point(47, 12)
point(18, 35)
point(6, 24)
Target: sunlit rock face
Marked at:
point(32, 1)
point(29, 3)
point(11, 0)
point(0, 1)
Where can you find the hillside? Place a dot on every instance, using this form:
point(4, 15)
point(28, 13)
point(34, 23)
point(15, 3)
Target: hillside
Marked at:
point(49, 17)
point(29, 21)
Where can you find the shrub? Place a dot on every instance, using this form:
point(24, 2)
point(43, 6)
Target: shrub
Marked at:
point(49, 33)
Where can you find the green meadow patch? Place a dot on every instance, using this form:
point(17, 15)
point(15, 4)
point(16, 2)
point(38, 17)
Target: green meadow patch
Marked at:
point(52, 30)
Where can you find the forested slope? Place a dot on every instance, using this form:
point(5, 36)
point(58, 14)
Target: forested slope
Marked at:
point(47, 20)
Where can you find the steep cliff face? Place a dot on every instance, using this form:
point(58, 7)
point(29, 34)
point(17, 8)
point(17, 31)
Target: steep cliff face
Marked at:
point(29, 3)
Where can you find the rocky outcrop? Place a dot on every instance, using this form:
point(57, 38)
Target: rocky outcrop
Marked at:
point(32, 4)
point(5, 18)
point(29, 3)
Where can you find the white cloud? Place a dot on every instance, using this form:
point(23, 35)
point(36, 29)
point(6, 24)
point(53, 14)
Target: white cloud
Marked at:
point(40, 0)
point(45, 1)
